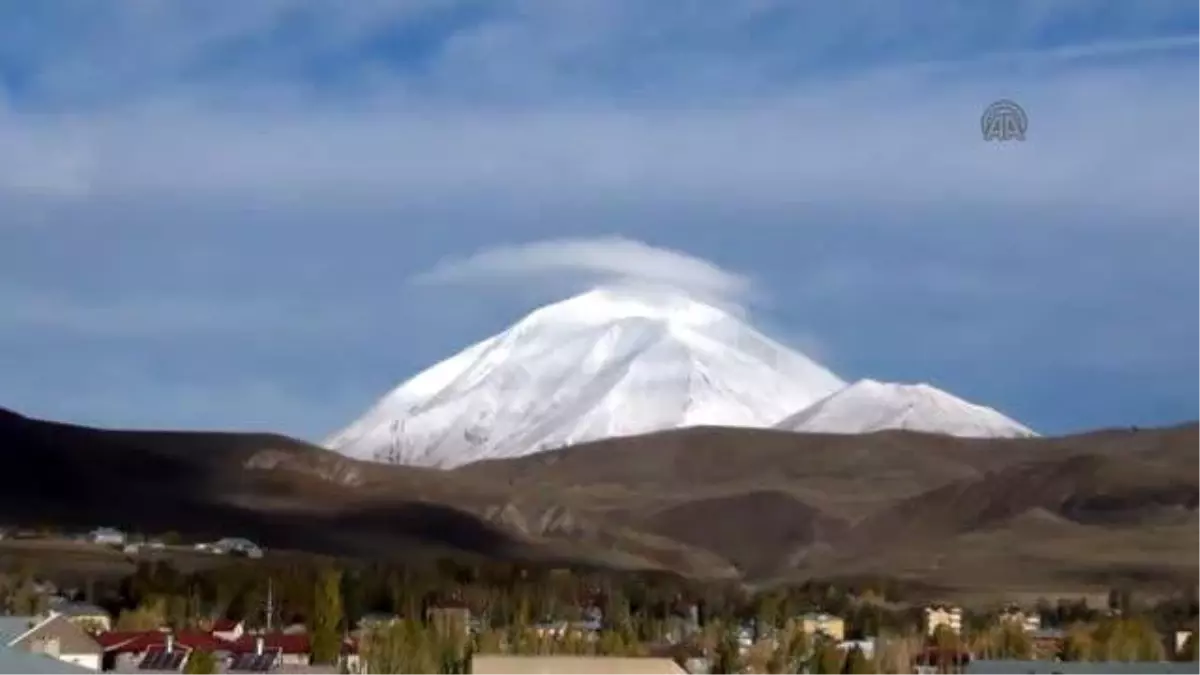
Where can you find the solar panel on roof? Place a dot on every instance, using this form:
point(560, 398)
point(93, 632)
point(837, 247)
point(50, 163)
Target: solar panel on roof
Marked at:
point(254, 663)
point(152, 659)
point(161, 659)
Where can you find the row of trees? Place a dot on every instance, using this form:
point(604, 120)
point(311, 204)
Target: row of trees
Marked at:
point(1112, 638)
point(640, 610)
point(410, 646)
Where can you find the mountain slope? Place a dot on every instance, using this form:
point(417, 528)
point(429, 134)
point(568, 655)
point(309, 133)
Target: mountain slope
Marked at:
point(287, 494)
point(868, 406)
point(1104, 507)
point(276, 490)
point(1074, 517)
point(609, 363)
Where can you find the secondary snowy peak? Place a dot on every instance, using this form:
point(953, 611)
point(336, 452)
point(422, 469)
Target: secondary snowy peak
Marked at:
point(610, 362)
point(869, 405)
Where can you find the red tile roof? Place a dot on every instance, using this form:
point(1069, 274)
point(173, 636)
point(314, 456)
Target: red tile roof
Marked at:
point(140, 641)
point(288, 644)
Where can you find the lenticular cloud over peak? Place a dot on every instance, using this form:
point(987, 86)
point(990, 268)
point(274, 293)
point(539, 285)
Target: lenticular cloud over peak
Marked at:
point(612, 262)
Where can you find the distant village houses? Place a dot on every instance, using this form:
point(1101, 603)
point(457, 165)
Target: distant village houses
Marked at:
point(943, 615)
point(107, 536)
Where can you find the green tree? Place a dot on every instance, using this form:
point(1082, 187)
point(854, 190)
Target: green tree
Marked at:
point(826, 658)
point(945, 639)
point(149, 615)
point(1078, 644)
point(857, 663)
point(201, 663)
point(728, 659)
point(28, 601)
point(385, 648)
point(796, 650)
point(1127, 639)
point(768, 607)
point(327, 617)
point(1010, 641)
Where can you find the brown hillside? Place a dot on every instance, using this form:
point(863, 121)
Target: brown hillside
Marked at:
point(773, 516)
point(700, 501)
point(203, 484)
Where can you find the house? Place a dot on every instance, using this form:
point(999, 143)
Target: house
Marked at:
point(284, 650)
point(53, 635)
point(820, 623)
point(1028, 621)
point(372, 620)
point(987, 667)
point(167, 658)
point(449, 616)
point(17, 660)
point(236, 650)
point(237, 546)
point(127, 650)
point(1179, 641)
point(866, 646)
point(107, 536)
point(943, 615)
point(490, 664)
point(89, 617)
point(280, 651)
point(935, 660)
point(691, 657)
point(228, 630)
point(1048, 643)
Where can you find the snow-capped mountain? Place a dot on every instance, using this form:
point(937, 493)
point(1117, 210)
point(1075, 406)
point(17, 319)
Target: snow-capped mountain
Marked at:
point(868, 405)
point(610, 362)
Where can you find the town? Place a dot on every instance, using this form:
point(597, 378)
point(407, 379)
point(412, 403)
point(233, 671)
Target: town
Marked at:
point(245, 610)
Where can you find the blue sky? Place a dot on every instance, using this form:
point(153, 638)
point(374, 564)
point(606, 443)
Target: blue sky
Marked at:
point(218, 215)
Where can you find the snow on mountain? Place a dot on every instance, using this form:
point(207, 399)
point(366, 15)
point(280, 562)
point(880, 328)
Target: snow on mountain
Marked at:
point(868, 405)
point(610, 362)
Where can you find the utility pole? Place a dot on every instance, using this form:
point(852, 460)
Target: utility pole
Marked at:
point(270, 603)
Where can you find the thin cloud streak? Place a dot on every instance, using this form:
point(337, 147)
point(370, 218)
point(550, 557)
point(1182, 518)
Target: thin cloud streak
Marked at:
point(1046, 55)
point(147, 315)
point(99, 53)
point(883, 141)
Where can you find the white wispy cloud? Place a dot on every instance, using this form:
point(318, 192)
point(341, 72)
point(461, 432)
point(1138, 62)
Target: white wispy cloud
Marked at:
point(608, 260)
point(595, 101)
point(885, 141)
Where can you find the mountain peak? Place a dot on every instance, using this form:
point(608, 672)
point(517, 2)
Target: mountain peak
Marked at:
point(614, 361)
point(870, 405)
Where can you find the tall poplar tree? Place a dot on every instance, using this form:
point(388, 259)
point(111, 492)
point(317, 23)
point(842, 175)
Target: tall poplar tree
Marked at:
point(327, 617)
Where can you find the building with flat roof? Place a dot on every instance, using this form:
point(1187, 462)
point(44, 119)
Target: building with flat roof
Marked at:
point(495, 664)
point(1007, 666)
